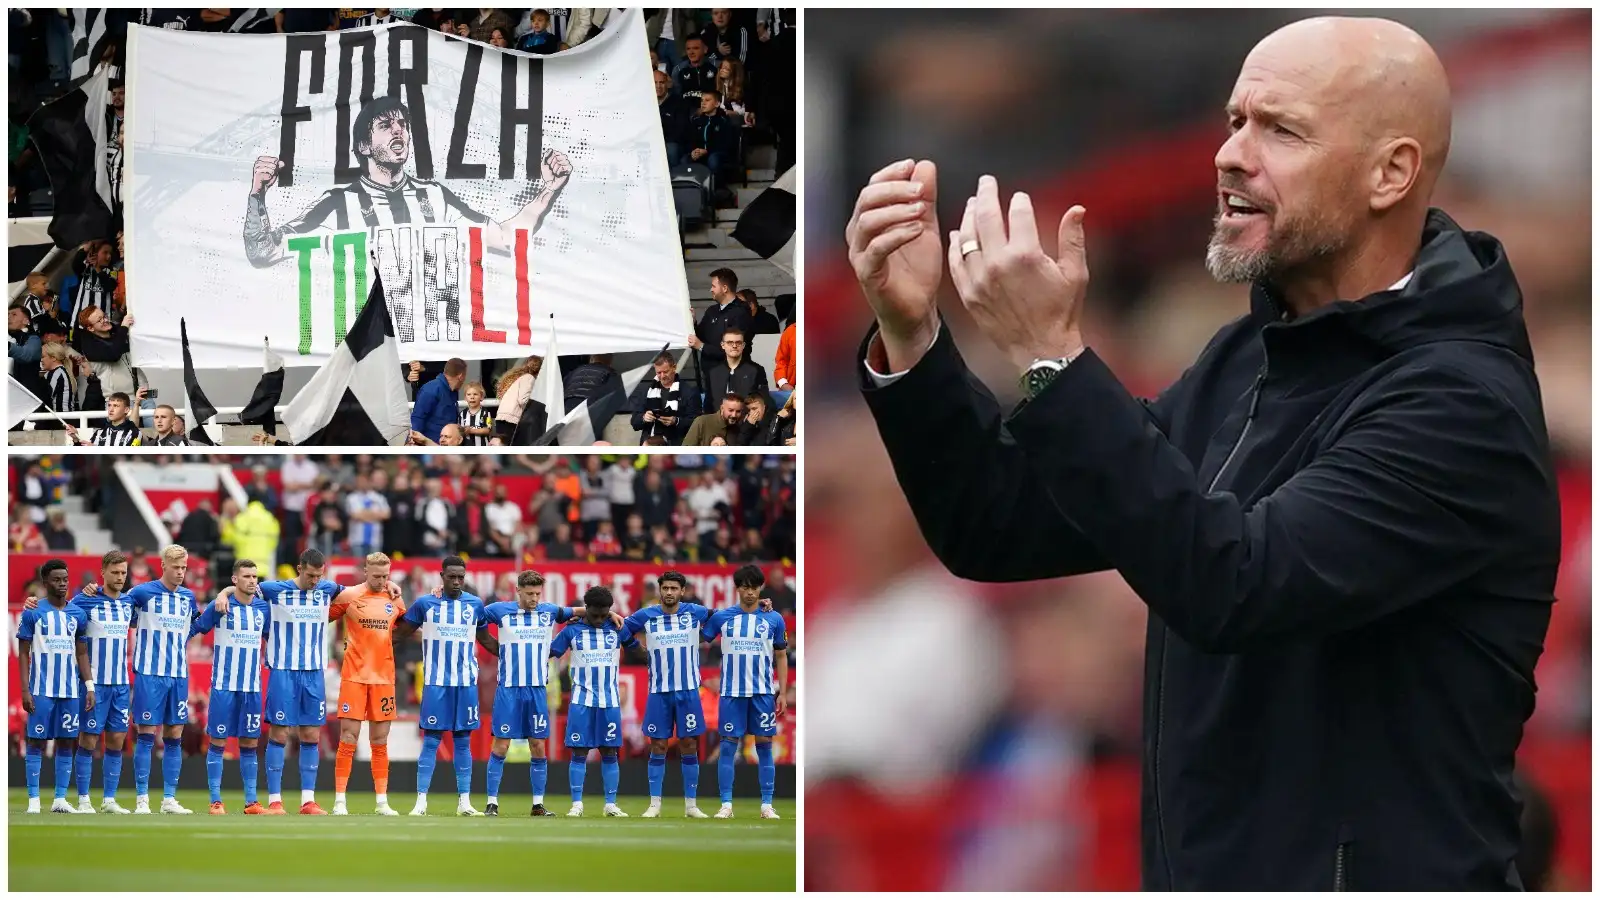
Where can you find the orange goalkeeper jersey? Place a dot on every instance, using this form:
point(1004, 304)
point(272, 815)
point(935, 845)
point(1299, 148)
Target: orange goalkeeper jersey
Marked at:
point(369, 618)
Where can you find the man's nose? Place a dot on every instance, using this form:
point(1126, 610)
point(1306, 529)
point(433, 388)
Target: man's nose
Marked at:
point(1237, 153)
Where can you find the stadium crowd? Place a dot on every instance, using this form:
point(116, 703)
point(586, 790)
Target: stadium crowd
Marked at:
point(724, 81)
point(1047, 738)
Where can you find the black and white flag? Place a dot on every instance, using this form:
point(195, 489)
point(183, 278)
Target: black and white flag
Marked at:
point(587, 422)
point(767, 224)
point(199, 414)
point(358, 398)
point(71, 137)
point(89, 28)
point(261, 410)
point(20, 403)
point(29, 249)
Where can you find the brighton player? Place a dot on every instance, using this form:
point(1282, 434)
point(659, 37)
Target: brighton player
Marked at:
point(110, 614)
point(51, 669)
point(238, 627)
point(595, 717)
point(672, 640)
point(165, 611)
point(449, 623)
point(366, 678)
point(297, 655)
point(521, 710)
point(755, 671)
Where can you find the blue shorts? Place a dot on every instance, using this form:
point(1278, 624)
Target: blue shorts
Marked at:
point(234, 714)
point(159, 700)
point(110, 711)
point(449, 708)
point(295, 697)
point(748, 715)
point(521, 713)
point(593, 726)
point(674, 710)
point(54, 717)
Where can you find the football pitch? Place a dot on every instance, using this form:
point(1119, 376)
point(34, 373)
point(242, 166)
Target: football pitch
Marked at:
point(363, 852)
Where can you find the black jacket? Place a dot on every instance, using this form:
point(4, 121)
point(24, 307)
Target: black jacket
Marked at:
point(716, 133)
point(1345, 527)
point(682, 404)
point(713, 323)
point(749, 378)
point(675, 123)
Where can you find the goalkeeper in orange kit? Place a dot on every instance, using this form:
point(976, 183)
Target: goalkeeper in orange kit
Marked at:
point(367, 678)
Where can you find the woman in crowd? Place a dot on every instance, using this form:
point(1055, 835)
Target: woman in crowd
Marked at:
point(730, 84)
point(61, 388)
point(520, 419)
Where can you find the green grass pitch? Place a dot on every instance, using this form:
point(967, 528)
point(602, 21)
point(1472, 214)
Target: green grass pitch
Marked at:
point(363, 852)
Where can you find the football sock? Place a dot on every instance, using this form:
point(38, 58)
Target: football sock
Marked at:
point(112, 773)
point(380, 771)
point(171, 766)
point(610, 772)
point(275, 753)
point(497, 768)
point(463, 761)
point(142, 749)
point(426, 760)
point(538, 773)
point(63, 773)
point(35, 765)
point(248, 771)
point(214, 772)
point(575, 772)
point(309, 758)
point(767, 772)
point(691, 775)
point(725, 762)
point(658, 773)
point(83, 767)
point(342, 766)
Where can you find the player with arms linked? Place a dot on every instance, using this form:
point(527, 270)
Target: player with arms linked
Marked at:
point(755, 671)
point(165, 613)
point(238, 627)
point(51, 668)
point(595, 717)
point(367, 677)
point(672, 640)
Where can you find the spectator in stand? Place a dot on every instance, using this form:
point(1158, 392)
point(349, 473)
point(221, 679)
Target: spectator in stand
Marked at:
point(477, 423)
point(737, 374)
point(327, 521)
point(724, 39)
point(169, 428)
point(760, 425)
point(711, 429)
point(674, 120)
point(726, 314)
point(619, 489)
point(778, 590)
point(497, 38)
point(519, 419)
point(714, 143)
point(548, 508)
point(761, 321)
point(482, 24)
point(584, 24)
point(200, 533)
point(61, 390)
point(505, 520)
point(299, 478)
point(538, 38)
point(57, 537)
point(594, 505)
point(105, 346)
point(437, 517)
point(436, 402)
point(92, 282)
point(664, 28)
point(119, 430)
point(401, 529)
point(604, 545)
point(588, 381)
point(730, 87)
point(261, 489)
point(39, 296)
point(784, 363)
point(664, 546)
point(710, 501)
point(694, 75)
point(255, 535)
point(753, 549)
point(636, 545)
point(655, 496)
point(560, 546)
point(716, 546)
point(530, 549)
point(367, 510)
point(661, 406)
point(25, 348)
point(750, 481)
point(789, 420)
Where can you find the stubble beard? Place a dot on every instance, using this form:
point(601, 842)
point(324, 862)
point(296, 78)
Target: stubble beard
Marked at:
point(1291, 245)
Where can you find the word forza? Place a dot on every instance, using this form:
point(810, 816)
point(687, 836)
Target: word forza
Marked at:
point(420, 268)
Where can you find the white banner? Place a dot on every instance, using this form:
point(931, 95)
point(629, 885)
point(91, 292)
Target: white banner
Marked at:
point(274, 176)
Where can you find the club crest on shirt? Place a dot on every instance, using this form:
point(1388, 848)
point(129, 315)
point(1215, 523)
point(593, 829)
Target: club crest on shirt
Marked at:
point(546, 619)
point(72, 625)
point(761, 629)
point(683, 620)
point(611, 640)
point(388, 607)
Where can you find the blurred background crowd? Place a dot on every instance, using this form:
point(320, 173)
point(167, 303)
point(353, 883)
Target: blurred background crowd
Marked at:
point(1015, 765)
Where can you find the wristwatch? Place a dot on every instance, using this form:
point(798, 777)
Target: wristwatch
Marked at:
point(1041, 372)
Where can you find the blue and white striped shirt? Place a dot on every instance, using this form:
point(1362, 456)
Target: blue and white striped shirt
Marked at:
point(54, 635)
point(236, 663)
point(596, 657)
point(165, 616)
point(109, 620)
point(674, 644)
point(449, 635)
point(748, 641)
point(366, 534)
point(525, 636)
point(297, 636)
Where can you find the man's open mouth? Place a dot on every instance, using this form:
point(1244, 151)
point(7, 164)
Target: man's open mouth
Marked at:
point(1236, 207)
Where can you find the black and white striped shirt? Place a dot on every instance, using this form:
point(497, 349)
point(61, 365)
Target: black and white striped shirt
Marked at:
point(662, 402)
point(95, 288)
point(114, 168)
point(479, 419)
point(125, 434)
point(58, 391)
point(375, 19)
point(33, 305)
point(360, 204)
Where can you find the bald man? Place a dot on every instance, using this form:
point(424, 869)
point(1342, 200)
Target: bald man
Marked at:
point(1342, 518)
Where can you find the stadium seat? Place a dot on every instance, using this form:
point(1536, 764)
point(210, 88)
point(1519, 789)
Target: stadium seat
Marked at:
point(691, 194)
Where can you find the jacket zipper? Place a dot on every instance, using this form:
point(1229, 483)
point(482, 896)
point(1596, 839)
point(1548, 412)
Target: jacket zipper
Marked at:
point(1255, 403)
point(1340, 873)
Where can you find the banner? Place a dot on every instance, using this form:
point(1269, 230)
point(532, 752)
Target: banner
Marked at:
point(489, 189)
